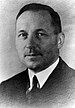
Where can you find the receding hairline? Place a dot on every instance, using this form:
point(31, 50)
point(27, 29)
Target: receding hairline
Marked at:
point(38, 7)
point(34, 7)
point(39, 12)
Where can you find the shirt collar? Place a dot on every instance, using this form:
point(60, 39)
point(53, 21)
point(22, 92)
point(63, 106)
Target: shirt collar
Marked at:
point(43, 75)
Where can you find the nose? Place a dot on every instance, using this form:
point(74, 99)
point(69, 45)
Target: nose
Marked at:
point(31, 42)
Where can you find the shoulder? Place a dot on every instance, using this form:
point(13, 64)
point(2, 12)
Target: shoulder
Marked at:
point(63, 79)
point(14, 87)
point(62, 65)
point(63, 73)
point(14, 81)
point(67, 75)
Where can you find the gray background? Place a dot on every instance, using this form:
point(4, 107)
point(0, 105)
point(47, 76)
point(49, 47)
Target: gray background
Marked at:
point(9, 61)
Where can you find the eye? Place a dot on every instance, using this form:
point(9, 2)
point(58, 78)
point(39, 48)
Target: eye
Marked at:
point(23, 35)
point(41, 34)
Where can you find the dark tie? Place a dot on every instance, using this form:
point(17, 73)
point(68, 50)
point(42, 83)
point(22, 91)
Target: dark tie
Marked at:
point(35, 83)
point(32, 95)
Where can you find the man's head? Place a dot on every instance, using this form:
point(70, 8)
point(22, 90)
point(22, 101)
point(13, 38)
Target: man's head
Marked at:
point(38, 36)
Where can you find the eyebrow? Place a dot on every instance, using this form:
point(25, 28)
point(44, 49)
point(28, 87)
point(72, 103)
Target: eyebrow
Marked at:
point(22, 31)
point(41, 30)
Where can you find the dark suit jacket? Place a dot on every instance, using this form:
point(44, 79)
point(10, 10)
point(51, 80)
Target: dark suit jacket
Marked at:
point(59, 88)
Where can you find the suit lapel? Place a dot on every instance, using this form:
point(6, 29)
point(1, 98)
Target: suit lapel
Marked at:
point(55, 78)
point(25, 80)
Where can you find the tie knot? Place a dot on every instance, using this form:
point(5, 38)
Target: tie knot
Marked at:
point(35, 81)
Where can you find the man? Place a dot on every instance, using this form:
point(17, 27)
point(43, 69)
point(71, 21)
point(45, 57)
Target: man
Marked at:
point(38, 40)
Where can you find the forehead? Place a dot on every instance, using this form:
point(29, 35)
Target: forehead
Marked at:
point(40, 17)
point(33, 20)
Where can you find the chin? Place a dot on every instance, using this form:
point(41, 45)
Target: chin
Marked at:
point(31, 65)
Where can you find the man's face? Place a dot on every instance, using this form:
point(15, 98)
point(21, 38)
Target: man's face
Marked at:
point(36, 42)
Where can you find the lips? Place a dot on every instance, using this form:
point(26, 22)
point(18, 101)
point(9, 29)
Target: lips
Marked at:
point(33, 54)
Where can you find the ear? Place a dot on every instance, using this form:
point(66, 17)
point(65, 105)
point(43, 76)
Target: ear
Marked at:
point(60, 39)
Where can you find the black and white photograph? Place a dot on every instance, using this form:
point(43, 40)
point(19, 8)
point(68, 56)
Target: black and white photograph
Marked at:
point(37, 53)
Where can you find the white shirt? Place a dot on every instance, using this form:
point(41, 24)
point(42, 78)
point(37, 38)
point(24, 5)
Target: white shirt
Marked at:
point(43, 75)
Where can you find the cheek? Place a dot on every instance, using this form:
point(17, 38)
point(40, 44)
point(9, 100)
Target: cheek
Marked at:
point(19, 44)
point(48, 48)
point(20, 47)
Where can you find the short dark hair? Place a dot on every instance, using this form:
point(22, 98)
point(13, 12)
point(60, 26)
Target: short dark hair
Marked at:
point(56, 22)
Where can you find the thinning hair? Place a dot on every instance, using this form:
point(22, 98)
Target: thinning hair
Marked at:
point(56, 22)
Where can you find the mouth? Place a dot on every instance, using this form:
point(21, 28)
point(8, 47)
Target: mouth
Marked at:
point(33, 55)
